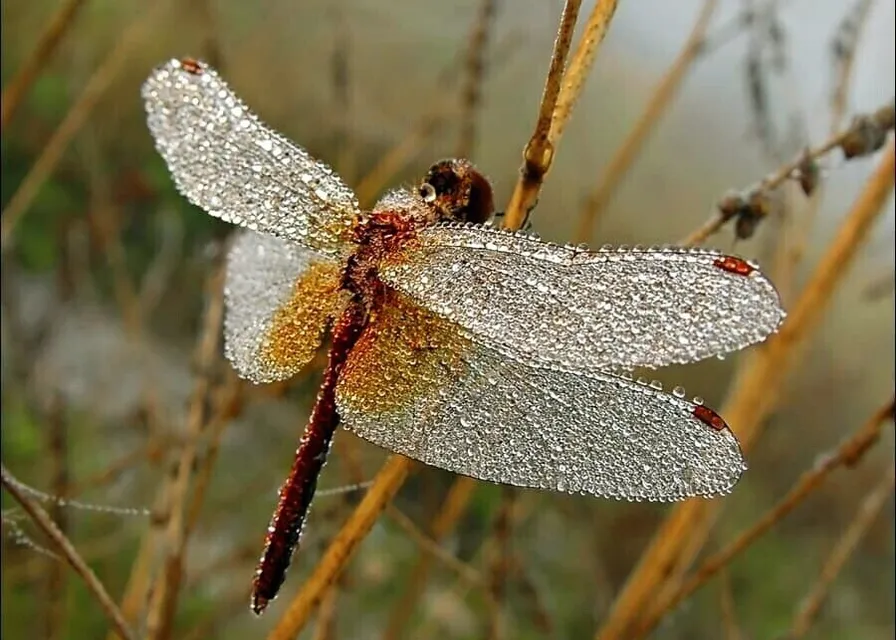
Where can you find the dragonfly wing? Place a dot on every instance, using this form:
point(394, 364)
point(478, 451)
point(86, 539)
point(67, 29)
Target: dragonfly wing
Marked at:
point(279, 297)
point(416, 385)
point(581, 309)
point(225, 160)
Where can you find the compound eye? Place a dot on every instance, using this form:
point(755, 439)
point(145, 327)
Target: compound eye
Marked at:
point(427, 192)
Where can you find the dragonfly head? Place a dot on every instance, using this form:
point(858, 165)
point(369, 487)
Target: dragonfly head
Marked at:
point(458, 192)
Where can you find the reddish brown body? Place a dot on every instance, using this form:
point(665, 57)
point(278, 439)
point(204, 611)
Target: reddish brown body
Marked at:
point(460, 193)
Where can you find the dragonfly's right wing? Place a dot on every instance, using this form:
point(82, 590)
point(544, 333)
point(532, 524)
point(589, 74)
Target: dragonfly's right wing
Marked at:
point(586, 310)
point(225, 160)
point(417, 385)
point(279, 297)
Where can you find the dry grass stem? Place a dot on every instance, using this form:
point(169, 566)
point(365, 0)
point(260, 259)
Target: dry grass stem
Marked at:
point(226, 402)
point(131, 38)
point(865, 135)
point(541, 619)
point(47, 43)
point(430, 547)
point(730, 627)
point(500, 566)
point(474, 77)
point(449, 514)
point(659, 101)
point(538, 153)
point(869, 510)
point(160, 620)
point(68, 551)
point(326, 615)
point(846, 454)
point(211, 45)
point(385, 485)
point(341, 85)
point(845, 46)
point(580, 66)
point(58, 449)
point(751, 402)
point(137, 589)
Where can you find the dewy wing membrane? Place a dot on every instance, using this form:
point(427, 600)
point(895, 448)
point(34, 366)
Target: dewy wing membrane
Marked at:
point(279, 297)
point(225, 160)
point(586, 311)
point(466, 408)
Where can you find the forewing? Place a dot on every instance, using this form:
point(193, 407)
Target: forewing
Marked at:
point(279, 297)
point(415, 385)
point(585, 310)
point(225, 160)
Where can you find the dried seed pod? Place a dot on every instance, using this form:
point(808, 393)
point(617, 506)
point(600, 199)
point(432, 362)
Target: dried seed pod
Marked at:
point(865, 136)
point(808, 174)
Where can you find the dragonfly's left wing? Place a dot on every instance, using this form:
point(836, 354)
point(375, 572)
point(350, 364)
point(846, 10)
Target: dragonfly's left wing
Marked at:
point(416, 385)
point(585, 310)
point(227, 161)
point(279, 298)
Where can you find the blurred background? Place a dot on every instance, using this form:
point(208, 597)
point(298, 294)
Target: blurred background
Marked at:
point(108, 271)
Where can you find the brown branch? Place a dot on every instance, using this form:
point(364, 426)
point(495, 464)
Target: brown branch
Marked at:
point(68, 551)
point(847, 39)
point(663, 94)
point(845, 45)
point(867, 513)
point(751, 401)
point(452, 508)
point(537, 155)
point(208, 29)
point(341, 85)
point(137, 589)
point(541, 619)
point(47, 43)
point(865, 135)
point(58, 446)
point(731, 628)
point(847, 454)
point(580, 66)
point(326, 616)
point(500, 565)
point(131, 38)
point(226, 406)
point(430, 547)
point(385, 485)
point(165, 595)
point(475, 75)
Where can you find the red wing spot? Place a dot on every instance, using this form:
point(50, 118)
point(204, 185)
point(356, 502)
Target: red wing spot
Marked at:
point(734, 265)
point(191, 66)
point(710, 418)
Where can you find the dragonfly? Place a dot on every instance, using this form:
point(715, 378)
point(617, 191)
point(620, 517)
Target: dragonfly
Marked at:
point(486, 352)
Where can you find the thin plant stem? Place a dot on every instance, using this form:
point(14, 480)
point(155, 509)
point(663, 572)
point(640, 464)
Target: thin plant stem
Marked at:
point(750, 403)
point(47, 43)
point(868, 511)
point(68, 551)
point(846, 454)
point(537, 155)
point(132, 37)
point(657, 104)
point(165, 596)
point(471, 98)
